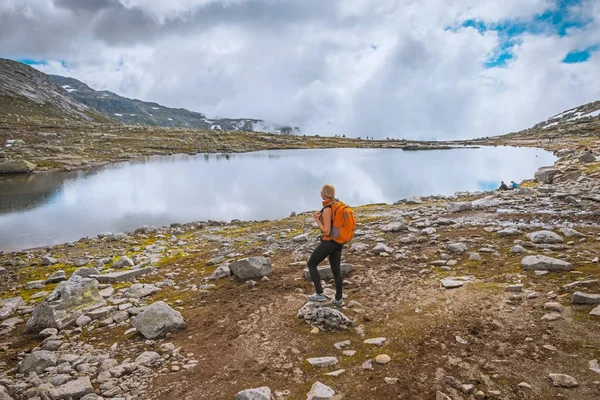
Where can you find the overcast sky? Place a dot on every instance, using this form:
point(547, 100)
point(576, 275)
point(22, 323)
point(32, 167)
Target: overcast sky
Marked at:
point(417, 69)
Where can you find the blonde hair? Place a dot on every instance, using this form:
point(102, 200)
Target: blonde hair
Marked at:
point(328, 191)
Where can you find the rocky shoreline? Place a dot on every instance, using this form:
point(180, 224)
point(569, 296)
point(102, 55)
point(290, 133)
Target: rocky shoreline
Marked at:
point(477, 295)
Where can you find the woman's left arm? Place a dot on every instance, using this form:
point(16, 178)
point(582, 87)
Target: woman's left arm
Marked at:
point(325, 222)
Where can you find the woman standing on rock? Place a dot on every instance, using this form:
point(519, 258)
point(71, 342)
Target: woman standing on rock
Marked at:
point(327, 248)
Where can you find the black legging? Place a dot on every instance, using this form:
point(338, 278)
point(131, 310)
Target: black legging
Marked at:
point(333, 250)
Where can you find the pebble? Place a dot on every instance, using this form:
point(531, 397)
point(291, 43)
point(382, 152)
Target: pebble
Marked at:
point(336, 373)
point(524, 385)
point(382, 359)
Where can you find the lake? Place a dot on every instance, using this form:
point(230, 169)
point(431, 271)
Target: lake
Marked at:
point(46, 209)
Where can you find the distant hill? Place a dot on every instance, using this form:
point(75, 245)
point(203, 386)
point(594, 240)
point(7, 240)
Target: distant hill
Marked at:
point(133, 111)
point(28, 94)
point(582, 121)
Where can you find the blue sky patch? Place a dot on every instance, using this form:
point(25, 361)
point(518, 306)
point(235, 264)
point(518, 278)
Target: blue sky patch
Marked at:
point(553, 21)
point(30, 61)
point(580, 56)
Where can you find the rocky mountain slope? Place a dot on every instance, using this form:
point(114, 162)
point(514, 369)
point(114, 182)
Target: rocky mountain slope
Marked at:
point(134, 112)
point(26, 93)
point(583, 121)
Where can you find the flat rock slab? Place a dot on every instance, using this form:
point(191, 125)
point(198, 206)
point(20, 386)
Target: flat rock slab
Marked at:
point(459, 207)
point(544, 237)
point(509, 232)
point(123, 276)
point(376, 341)
point(326, 273)
point(544, 263)
point(562, 380)
point(585, 298)
point(9, 306)
point(72, 390)
point(595, 312)
point(455, 282)
point(322, 362)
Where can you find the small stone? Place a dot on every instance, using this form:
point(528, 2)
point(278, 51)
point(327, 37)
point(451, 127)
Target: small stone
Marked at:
point(349, 353)
point(322, 362)
point(474, 257)
point(457, 247)
point(319, 391)
point(341, 345)
point(47, 260)
point(123, 262)
point(250, 284)
point(441, 396)
point(376, 341)
point(479, 395)
point(261, 393)
point(315, 330)
point(461, 340)
point(562, 380)
point(595, 312)
point(382, 359)
point(524, 385)
point(390, 381)
point(467, 388)
point(336, 373)
point(518, 249)
point(515, 288)
point(83, 320)
point(554, 306)
point(56, 277)
point(367, 364)
point(553, 316)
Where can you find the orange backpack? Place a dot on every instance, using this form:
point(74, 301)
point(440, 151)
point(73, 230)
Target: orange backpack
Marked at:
point(342, 222)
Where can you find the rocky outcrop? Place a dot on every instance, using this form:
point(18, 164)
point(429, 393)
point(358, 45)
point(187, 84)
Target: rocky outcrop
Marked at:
point(68, 301)
point(16, 167)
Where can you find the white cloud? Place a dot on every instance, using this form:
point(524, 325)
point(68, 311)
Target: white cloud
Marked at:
point(383, 68)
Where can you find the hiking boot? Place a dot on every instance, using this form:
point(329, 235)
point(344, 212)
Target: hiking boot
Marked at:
point(336, 303)
point(317, 298)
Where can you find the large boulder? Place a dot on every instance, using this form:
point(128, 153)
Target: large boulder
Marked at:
point(585, 298)
point(68, 301)
point(38, 361)
point(157, 320)
point(587, 158)
point(544, 237)
point(545, 174)
point(261, 393)
point(251, 268)
point(545, 263)
point(9, 306)
point(325, 271)
point(16, 167)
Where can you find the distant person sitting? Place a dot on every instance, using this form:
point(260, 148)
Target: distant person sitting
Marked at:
point(514, 185)
point(503, 186)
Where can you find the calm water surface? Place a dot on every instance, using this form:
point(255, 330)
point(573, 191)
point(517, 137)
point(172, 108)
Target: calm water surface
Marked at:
point(55, 208)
